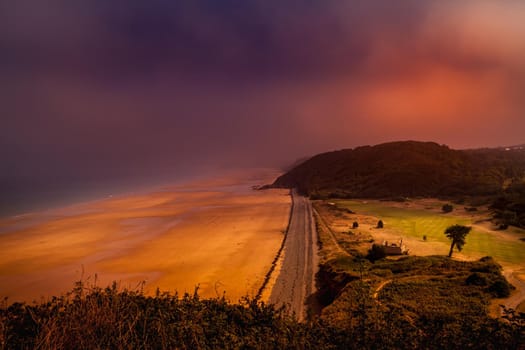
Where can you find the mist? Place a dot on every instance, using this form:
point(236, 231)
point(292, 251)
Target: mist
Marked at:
point(100, 95)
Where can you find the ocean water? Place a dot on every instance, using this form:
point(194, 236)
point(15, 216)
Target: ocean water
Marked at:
point(21, 196)
point(27, 194)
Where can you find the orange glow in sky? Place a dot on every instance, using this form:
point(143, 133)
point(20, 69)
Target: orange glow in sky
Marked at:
point(99, 91)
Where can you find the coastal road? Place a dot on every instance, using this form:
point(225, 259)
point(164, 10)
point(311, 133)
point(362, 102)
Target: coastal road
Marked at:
point(296, 279)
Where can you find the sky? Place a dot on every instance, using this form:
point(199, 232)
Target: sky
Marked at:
point(96, 94)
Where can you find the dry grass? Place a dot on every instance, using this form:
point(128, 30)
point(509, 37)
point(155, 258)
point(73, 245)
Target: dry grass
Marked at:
point(90, 317)
point(337, 241)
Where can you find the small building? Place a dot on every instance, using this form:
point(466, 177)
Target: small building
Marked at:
point(395, 248)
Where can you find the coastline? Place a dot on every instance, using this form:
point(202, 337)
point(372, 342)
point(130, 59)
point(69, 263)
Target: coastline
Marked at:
point(217, 234)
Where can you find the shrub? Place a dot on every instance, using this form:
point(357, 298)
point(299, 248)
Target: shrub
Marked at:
point(315, 196)
point(377, 252)
point(476, 279)
point(503, 227)
point(95, 318)
point(500, 288)
point(380, 224)
point(447, 208)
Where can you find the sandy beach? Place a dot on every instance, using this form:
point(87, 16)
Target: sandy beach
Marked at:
point(216, 233)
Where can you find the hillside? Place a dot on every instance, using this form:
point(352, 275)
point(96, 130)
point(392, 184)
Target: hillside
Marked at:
point(406, 168)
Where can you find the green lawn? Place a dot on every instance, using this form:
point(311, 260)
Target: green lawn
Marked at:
point(417, 222)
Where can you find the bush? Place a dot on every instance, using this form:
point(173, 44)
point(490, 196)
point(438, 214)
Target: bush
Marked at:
point(476, 279)
point(377, 252)
point(486, 265)
point(380, 224)
point(315, 196)
point(355, 224)
point(95, 318)
point(503, 227)
point(447, 208)
point(500, 288)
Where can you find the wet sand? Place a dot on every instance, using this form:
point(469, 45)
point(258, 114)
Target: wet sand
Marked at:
point(218, 234)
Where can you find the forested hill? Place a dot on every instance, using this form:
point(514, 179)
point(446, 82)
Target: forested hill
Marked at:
point(406, 168)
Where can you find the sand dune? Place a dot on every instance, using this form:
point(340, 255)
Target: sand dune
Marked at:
point(220, 235)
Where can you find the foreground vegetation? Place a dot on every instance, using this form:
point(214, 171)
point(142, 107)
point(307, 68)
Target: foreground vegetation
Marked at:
point(421, 302)
point(95, 318)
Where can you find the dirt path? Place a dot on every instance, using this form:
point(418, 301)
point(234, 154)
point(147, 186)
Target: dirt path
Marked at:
point(296, 279)
point(516, 297)
point(381, 286)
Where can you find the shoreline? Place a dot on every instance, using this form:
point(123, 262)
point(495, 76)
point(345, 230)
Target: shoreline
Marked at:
point(174, 239)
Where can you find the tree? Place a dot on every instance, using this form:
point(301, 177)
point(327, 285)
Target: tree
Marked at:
point(458, 234)
point(507, 218)
point(380, 224)
point(355, 224)
point(500, 288)
point(377, 252)
point(447, 208)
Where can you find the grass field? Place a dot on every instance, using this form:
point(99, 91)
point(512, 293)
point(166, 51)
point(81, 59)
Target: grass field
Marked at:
point(414, 222)
point(409, 221)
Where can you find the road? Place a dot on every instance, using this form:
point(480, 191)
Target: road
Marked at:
point(296, 279)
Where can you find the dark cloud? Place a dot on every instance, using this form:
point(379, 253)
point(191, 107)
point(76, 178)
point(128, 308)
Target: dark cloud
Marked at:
point(204, 39)
point(125, 92)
